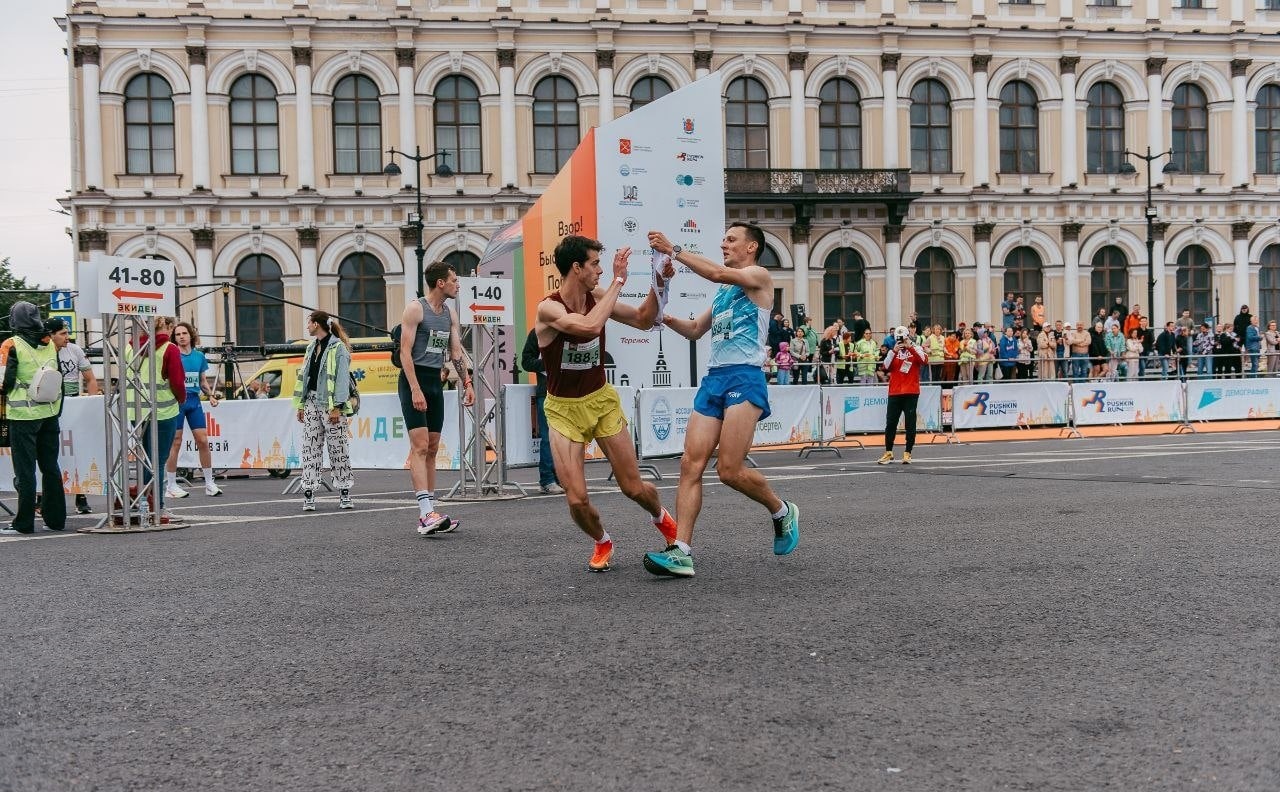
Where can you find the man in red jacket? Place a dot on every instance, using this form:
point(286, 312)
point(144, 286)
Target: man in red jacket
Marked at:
point(903, 363)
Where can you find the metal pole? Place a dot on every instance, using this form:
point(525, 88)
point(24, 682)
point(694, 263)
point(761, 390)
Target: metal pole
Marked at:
point(419, 251)
point(477, 410)
point(228, 366)
point(1151, 247)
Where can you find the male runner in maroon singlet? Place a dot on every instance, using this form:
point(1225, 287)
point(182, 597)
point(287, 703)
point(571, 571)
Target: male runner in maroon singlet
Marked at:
point(581, 406)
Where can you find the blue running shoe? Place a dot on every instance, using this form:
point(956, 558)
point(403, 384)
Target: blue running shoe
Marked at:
point(786, 531)
point(672, 562)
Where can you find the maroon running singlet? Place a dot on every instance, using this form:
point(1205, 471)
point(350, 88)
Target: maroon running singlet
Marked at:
point(575, 365)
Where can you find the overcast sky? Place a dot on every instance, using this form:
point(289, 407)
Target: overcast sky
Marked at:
point(35, 158)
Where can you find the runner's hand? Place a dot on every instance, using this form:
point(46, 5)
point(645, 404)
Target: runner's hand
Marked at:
point(335, 415)
point(299, 416)
point(468, 396)
point(659, 242)
point(419, 401)
point(620, 262)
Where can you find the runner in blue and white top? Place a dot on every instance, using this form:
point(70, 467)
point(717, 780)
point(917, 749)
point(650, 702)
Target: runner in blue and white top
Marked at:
point(733, 395)
point(194, 364)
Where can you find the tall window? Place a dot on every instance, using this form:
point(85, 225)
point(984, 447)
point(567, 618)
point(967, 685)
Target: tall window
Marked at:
point(769, 258)
point(935, 288)
point(555, 123)
point(1024, 273)
point(843, 284)
point(839, 125)
point(1109, 279)
point(930, 127)
point(464, 262)
point(1195, 281)
point(1019, 129)
point(1269, 285)
point(1190, 129)
point(357, 126)
point(746, 124)
point(362, 292)
point(260, 315)
point(457, 118)
point(1104, 129)
point(1266, 124)
point(255, 126)
point(647, 89)
point(148, 125)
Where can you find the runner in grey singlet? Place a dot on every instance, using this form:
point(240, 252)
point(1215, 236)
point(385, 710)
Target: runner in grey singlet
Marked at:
point(431, 341)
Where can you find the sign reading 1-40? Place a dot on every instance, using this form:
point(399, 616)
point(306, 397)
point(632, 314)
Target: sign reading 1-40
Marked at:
point(485, 301)
point(142, 287)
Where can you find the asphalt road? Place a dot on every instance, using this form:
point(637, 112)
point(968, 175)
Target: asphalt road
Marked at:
point(1055, 615)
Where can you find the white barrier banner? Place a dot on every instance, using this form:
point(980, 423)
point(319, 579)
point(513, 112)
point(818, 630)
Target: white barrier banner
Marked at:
point(832, 415)
point(1127, 402)
point(1012, 404)
point(1215, 400)
point(865, 408)
point(82, 453)
point(521, 424)
point(663, 418)
point(795, 416)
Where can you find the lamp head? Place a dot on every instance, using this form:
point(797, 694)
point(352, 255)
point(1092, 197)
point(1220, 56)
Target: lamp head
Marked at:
point(392, 169)
point(442, 166)
point(1170, 167)
point(1127, 168)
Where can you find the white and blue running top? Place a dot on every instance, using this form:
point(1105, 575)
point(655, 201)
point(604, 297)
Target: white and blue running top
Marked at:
point(739, 328)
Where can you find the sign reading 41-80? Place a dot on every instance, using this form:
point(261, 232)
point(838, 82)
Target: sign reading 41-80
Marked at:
point(140, 287)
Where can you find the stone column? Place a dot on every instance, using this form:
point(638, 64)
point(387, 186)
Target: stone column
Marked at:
point(306, 141)
point(889, 121)
point(200, 177)
point(86, 58)
point(409, 242)
point(1155, 106)
point(893, 274)
point(1240, 275)
point(506, 118)
point(1159, 310)
point(800, 256)
point(308, 237)
point(1071, 274)
point(604, 67)
point(206, 307)
point(1240, 142)
point(982, 273)
point(981, 123)
point(799, 139)
point(701, 63)
point(405, 57)
point(1070, 165)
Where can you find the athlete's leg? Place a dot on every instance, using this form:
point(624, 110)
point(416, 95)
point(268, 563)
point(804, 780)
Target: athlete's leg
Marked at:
point(621, 454)
point(423, 445)
point(201, 438)
point(172, 465)
point(735, 441)
point(700, 439)
point(569, 458)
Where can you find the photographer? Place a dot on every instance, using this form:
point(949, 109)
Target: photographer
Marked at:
point(903, 364)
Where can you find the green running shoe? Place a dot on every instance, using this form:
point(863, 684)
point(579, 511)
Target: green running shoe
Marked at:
point(672, 562)
point(786, 531)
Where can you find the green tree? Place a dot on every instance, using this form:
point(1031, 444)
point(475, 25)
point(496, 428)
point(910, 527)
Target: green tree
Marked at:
point(13, 289)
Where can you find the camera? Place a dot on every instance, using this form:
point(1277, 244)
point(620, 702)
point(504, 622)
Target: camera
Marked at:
point(900, 334)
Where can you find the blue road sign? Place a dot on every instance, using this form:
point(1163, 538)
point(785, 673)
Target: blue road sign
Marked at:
point(60, 300)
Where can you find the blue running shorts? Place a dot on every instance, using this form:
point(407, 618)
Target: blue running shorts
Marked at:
point(192, 414)
point(725, 386)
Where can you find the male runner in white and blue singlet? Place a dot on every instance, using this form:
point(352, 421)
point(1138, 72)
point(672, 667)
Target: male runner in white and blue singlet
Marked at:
point(732, 397)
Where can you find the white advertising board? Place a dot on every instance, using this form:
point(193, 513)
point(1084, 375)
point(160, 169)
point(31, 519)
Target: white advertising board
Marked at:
point(522, 447)
point(1007, 405)
point(134, 287)
point(865, 407)
point(486, 301)
point(795, 416)
point(662, 419)
point(1126, 402)
point(1228, 399)
point(82, 450)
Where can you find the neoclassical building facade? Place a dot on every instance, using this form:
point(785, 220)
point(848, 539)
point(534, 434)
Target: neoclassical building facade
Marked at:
point(901, 155)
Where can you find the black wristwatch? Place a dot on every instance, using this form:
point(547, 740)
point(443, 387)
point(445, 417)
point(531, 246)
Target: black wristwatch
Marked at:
point(676, 250)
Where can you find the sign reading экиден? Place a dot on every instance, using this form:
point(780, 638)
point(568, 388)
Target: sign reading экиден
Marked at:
point(135, 287)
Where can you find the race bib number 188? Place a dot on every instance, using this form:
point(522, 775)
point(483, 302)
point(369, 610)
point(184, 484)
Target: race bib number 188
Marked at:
point(580, 357)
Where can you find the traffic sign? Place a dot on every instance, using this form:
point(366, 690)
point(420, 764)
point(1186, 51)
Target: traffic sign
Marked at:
point(67, 316)
point(486, 301)
point(137, 287)
point(60, 300)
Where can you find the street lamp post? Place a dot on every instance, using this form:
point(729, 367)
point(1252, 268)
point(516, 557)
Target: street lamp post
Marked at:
point(1128, 168)
point(442, 169)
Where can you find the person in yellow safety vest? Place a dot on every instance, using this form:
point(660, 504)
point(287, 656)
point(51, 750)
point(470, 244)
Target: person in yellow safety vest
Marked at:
point(170, 385)
point(34, 435)
point(320, 396)
point(844, 353)
point(867, 351)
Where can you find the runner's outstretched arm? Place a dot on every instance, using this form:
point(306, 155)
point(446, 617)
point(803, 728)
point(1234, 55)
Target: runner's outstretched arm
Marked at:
point(692, 329)
point(552, 314)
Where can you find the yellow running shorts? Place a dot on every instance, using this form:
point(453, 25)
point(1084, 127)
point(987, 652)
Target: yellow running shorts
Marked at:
point(585, 418)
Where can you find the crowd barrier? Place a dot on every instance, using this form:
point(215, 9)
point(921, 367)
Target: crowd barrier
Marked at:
point(265, 434)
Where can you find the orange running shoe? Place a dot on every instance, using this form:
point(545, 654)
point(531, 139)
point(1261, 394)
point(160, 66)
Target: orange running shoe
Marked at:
point(600, 558)
point(667, 525)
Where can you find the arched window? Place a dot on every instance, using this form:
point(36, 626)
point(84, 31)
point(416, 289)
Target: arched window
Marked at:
point(1024, 273)
point(555, 123)
point(357, 126)
point(1190, 129)
point(148, 125)
point(647, 89)
point(1269, 285)
point(843, 284)
point(457, 119)
point(1110, 278)
point(1267, 129)
point(464, 262)
point(1104, 129)
point(746, 124)
point(259, 313)
point(935, 288)
point(255, 126)
point(1195, 281)
point(839, 125)
point(362, 292)
point(769, 259)
point(930, 127)
point(1019, 129)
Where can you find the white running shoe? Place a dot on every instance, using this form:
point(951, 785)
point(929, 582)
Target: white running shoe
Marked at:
point(212, 490)
point(308, 500)
point(174, 491)
point(344, 500)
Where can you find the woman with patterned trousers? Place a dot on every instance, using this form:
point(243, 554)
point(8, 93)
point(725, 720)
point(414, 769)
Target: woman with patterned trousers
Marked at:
point(320, 397)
